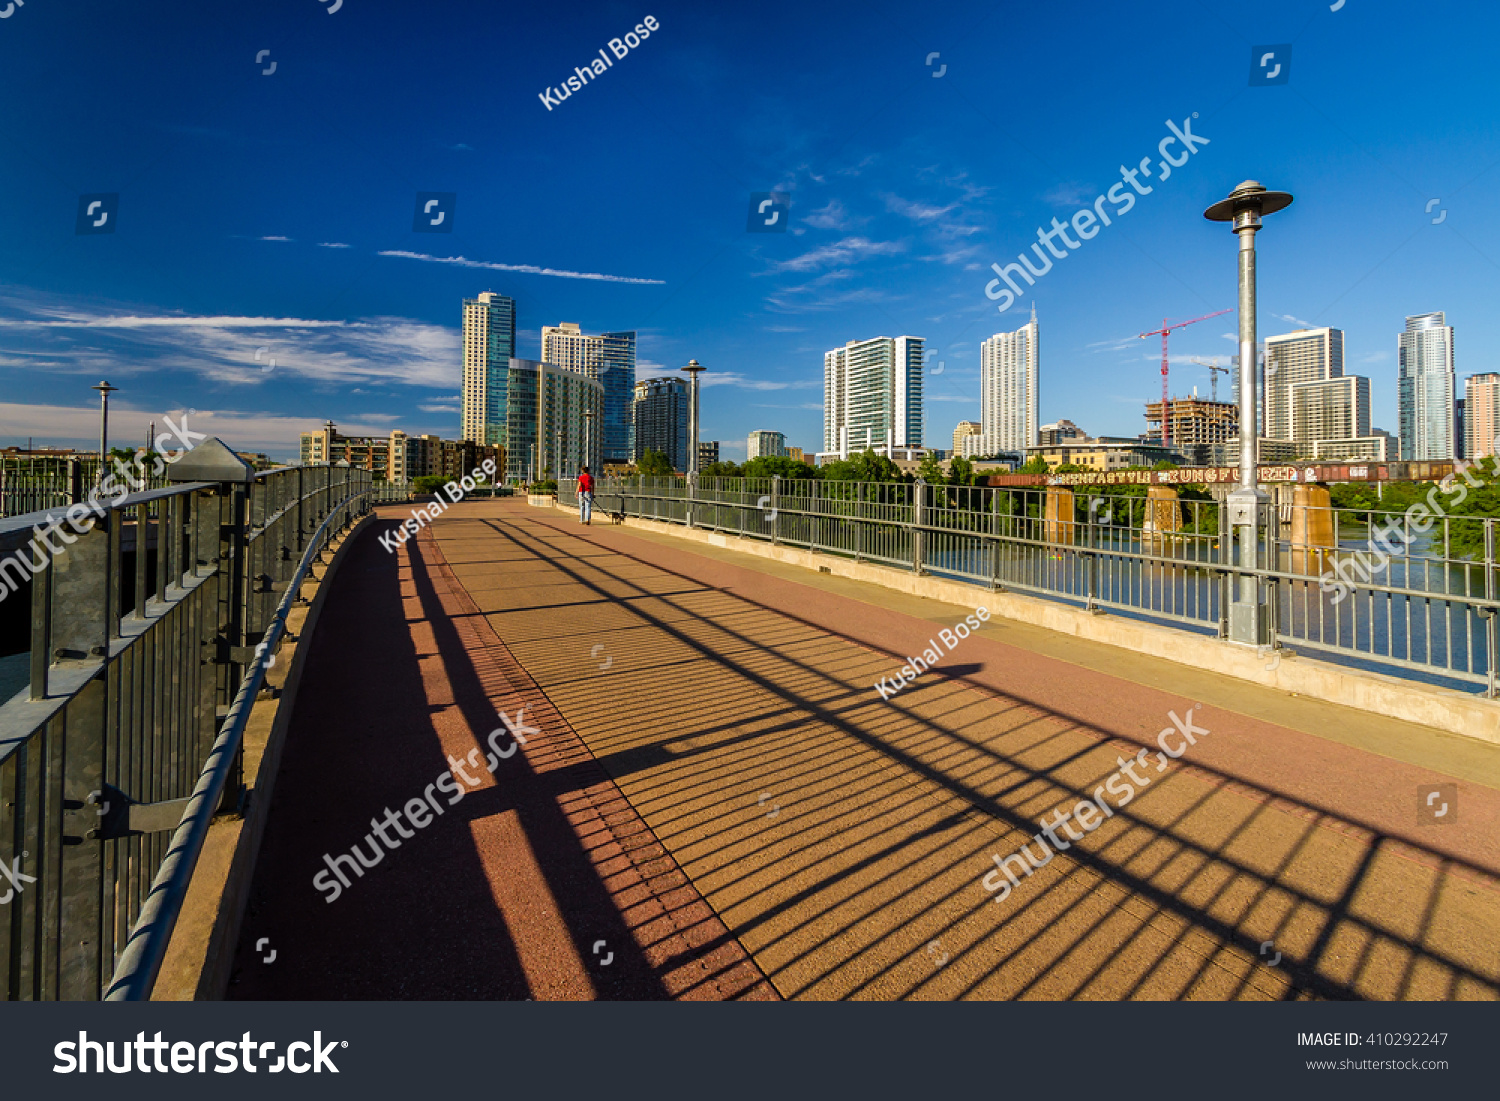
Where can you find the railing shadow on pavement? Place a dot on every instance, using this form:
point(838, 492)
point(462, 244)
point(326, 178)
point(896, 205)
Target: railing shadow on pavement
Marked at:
point(1154, 866)
point(431, 919)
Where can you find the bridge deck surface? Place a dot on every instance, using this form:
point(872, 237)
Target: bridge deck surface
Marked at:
point(720, 796)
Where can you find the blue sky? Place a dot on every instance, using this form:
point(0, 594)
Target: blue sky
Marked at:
point(270, 216)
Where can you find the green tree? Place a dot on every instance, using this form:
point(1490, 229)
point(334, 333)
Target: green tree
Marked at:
point(428, 483)
point(655, 464)
point(960, 472)
point(864, 467)
point(1034, 465)
point(768, 465)
point(721, 470)
point(931, 471)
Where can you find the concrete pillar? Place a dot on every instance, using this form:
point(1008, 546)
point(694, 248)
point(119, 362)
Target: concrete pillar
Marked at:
point(1057, 512)
point(1163, 514)
point(1314, 533)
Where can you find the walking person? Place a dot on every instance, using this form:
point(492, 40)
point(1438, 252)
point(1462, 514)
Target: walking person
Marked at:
point(585, 496)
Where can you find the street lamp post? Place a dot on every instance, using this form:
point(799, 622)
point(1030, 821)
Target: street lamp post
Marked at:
point(1248, 504)
point(694, 369)
point(105, 389)
point(588, 438)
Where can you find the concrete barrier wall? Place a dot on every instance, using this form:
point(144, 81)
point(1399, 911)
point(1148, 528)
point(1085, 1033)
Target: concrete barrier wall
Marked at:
point(1378, 693)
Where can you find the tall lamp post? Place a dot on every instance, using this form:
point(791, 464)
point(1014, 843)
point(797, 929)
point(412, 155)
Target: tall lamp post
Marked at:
point(588, 437)
point(1248, 504)
point(105, 389)
point(694, 369)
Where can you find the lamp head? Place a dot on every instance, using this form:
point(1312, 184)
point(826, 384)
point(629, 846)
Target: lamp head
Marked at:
point(1246, 205)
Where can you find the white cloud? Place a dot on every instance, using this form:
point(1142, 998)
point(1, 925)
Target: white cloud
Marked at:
point(224, 348)
point(531, 269)
point(67, 425)
point(847, 250)
point(332, 244)
point(916, 211)
point(834, 215)
point(1069, 195)
point(1297, 321)
point(273, 238)
point(733, 378)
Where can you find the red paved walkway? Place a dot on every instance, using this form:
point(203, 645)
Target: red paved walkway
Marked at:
point(1262, 826)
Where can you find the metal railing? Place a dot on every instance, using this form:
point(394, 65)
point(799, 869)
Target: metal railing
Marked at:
point(37, 483)
point(143, 668)
point(1429, 612)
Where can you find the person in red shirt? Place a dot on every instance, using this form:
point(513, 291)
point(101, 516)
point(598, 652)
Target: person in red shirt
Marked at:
point(585, 496)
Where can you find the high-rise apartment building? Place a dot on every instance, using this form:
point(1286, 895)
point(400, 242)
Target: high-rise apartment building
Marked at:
point(547, 428)
point(1061, 432)
point(765, 444)
point(659, 412)
point(964, 430)
point(872, 395)
point(489, 344)
point(1307, 355)
point(1330, 409)
point(708, 452)
point(1424, 388)
point(797, 455)
point(1481, 415)
point(609, 358)
point(1009, 364)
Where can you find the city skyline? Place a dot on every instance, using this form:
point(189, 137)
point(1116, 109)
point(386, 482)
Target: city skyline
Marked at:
point(222, 261)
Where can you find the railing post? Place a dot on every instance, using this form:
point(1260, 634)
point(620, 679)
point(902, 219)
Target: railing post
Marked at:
point(1492, 621)
point(775, 509)
point(859, 521)
point(918, 536)
point(85, 614)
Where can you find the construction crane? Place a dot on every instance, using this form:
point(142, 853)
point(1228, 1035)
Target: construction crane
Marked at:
point(1214, 378)
point(1166, 327)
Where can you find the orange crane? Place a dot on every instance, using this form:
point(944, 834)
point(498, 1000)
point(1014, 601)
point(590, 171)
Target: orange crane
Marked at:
point(1166, 417)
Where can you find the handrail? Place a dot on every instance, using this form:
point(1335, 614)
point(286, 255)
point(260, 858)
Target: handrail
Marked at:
point(141, 959)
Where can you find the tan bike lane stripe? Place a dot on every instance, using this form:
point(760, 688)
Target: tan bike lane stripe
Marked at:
point(842, 837)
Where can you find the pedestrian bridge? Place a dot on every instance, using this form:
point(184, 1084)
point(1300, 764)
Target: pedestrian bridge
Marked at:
point(542, 760)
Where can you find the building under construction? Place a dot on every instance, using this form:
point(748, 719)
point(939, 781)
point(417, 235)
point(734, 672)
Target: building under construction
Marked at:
point(1198, 425)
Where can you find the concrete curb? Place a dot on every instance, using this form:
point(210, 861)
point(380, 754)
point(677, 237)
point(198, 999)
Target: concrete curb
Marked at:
point(198, 965)
point(1377, 693)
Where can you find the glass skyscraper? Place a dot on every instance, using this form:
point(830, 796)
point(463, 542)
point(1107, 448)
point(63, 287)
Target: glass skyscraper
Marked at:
point(872, 395)
point(1424, 388)
point(489, 345)
point(1009, 368)
point(610, 359)
point(546, 429)
point(660, 413)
